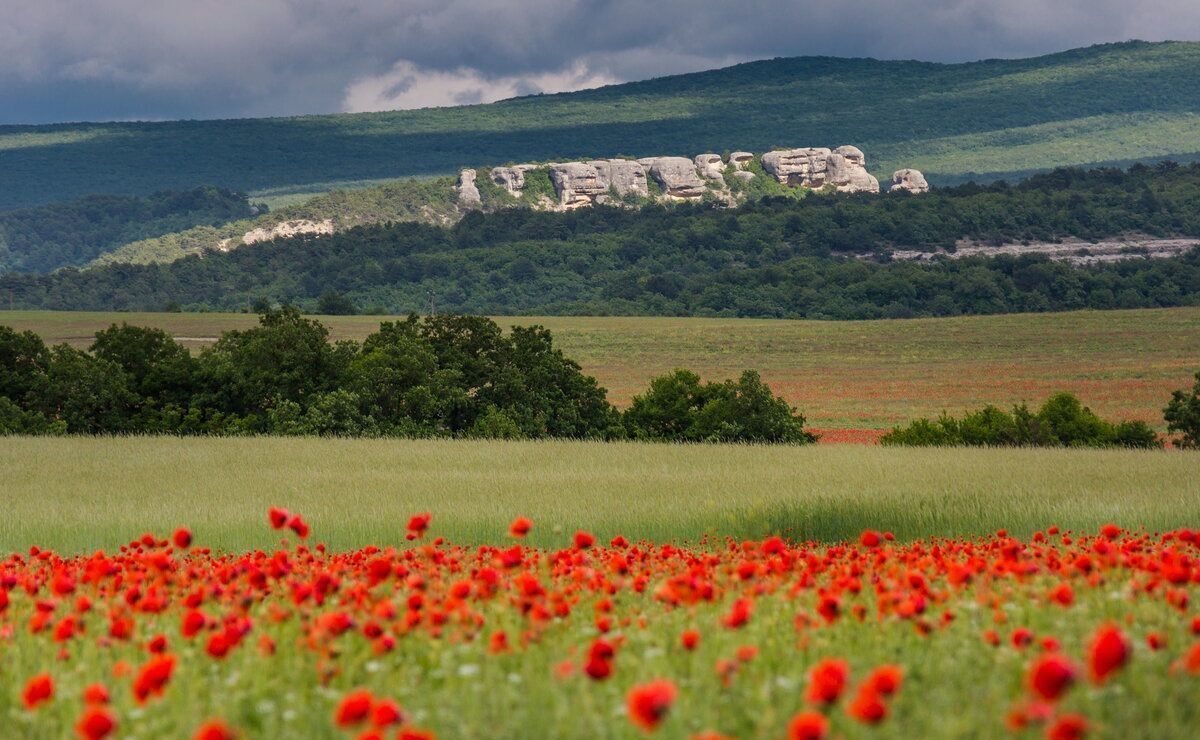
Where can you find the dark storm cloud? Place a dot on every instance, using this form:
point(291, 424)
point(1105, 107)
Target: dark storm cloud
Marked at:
point(114, 59)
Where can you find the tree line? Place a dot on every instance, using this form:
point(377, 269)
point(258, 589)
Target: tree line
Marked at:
point(824, 256)
point(1062, 421)
point(45, 238)
point(444, 376)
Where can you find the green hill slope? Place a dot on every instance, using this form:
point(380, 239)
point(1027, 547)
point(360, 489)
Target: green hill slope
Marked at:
point(826, 256)
point(1105, 104)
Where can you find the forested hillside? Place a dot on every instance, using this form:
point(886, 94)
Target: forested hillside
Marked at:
point(1106, 104)
point(48, 237)
point(820, 257)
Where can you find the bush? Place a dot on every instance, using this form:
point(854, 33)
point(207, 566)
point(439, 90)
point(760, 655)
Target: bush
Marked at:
point(1182, 415)
point(1062, 421)
point(679, 407)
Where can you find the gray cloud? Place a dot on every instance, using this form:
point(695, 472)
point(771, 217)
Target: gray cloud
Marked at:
point(117, 59)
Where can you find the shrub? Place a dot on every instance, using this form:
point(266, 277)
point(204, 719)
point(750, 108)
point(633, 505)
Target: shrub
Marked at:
point(1182, 415)
point(1062, 421)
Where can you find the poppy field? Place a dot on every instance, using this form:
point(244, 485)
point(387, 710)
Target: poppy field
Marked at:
point(1062, 634)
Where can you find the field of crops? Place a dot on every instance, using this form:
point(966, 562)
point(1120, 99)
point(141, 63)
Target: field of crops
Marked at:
point(851, 379)
point(78, 494)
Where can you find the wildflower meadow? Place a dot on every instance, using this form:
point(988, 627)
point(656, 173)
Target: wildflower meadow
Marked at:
point(1064, 634)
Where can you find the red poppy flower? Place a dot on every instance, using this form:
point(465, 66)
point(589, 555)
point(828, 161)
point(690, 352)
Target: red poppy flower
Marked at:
point(96, 723)
point(38, 690)
point(1051, 675)
point(870, 538)
point(1068, 727)
point(354, 708)
point(1108, 652)
point(96, 693)
point(520, 527)
point(153, 677)
point(278, 517)
point(886, 679)
point(649, 703)
point(1063, 594)
point(867, 707)
point(808, 726)
point(215, 729)
point(182, 538)
point(738, 614)
point(827, 681)
point(419, 523)
point(387, 712)
point(584, 540)
point(690, 639)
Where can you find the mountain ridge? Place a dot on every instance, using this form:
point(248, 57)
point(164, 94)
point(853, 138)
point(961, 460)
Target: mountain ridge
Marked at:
point(1103, 104)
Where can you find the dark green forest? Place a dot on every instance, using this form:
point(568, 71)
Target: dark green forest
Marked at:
point(48, 237)
point(1109, 104)
point(819, 257)
point(444, 376)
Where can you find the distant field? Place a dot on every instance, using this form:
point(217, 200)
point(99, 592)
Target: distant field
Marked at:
point(86, 493)
point(850, 378)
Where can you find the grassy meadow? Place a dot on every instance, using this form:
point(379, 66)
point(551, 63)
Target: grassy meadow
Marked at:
point(77, 494)
point(850, 378)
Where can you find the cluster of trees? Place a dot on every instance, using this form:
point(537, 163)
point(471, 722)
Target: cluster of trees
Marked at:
point(458, 376)
point(775, 257)
point(45, 238)
point(1062, 421)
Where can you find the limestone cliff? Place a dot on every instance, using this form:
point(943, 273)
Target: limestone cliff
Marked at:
point(581, 184)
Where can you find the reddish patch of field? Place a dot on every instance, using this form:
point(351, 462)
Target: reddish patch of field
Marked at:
point(849, 436)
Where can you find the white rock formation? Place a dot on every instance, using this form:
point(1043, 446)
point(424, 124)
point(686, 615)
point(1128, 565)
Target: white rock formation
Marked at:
point(677, 176)
point(844, 168)
point(849, 176)
point(468, 192)
point(512, 178)
point(624, 176)
point(798, 167)
point(287, 228)
point(710, 166)
point(739, 160)
point(577, 184)
point(911, 180)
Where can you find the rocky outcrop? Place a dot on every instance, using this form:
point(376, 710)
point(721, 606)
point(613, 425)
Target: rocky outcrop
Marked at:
point(512, 178)
point(711, 167)
point(623, 176)
point(911, 180)
point(848, 175)
point(843, 168)
point(798, 167)
point(468, 192)
point(287, 228)
point(577, 184)
point(739, 160)
point(677, 176)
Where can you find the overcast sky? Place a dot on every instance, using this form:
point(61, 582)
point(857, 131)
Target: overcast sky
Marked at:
point(69, 60)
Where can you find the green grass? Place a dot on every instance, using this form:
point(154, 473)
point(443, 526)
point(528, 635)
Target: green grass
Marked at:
point(78, 494)
point(1110, 103)
point(842, 374)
